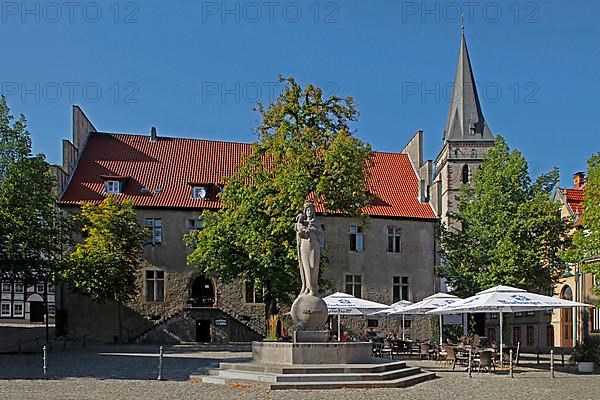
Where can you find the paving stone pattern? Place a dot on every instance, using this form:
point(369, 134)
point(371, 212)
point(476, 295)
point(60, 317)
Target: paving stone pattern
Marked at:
point(127, 372)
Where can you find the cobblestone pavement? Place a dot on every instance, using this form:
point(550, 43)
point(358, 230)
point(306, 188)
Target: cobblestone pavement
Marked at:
point(126, 372)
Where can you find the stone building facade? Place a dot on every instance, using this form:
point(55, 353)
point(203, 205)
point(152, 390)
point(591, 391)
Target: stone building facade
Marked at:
point(570, 326)
point(172, 180)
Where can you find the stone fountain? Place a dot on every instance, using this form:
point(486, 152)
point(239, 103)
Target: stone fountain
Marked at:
point(311, 361)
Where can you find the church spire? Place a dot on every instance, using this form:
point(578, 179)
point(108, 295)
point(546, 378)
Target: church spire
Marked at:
point(465, 118)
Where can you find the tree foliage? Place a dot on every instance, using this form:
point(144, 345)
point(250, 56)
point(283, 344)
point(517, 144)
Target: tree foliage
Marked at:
point(32, 231)
point(304, 149)
point(511, 230)
point(586, 239)
point(104, 266)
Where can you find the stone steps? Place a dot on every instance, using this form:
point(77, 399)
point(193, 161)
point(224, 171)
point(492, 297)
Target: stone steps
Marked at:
point(311, 377)
point(379, 365)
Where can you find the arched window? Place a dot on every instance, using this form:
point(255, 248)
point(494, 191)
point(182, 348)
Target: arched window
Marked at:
point(473, 153)
point(465, 174)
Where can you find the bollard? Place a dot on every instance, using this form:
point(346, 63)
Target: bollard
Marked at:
point(160, 364)
point(552, 363)
point(45, 363)
point(510, 366)
point(538, 356)
point(562, 357)
point(469, 367)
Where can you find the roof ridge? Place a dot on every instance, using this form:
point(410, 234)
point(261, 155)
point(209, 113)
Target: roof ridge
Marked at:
point(170, 137)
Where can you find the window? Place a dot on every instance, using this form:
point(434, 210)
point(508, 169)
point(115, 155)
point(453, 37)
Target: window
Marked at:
point(19, 287)
point(529, 336)
point(112, 187)
point(155, 285)
point(473, 153)
point(6, 287)
point(5, 310)
point(549, 336)
point(199, 192)
point(51, 309)
point(18, 310)
point(596, 319)
point(354, 285)
point(357, 241)
point(254, 292)
point(51, 289)
point(516, 335)
point(39, 288)
point(518, 314)
point(195, 225)
point(494, 315)
point(465, 174)
point(393, 234)
point(400, 288)
point(372, 323)
point(155, 227)
point(491, 332)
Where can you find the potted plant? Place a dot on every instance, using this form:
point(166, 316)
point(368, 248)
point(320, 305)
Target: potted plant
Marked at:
point(586, 355)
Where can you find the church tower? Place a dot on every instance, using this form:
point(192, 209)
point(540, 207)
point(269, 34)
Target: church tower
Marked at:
point(467, 139)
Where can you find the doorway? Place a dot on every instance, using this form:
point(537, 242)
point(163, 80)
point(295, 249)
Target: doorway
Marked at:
point(203, 331)
point(566, 319)
point(203, 292)
point(36, 311)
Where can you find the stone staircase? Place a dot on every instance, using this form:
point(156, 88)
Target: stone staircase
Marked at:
point(381, 373)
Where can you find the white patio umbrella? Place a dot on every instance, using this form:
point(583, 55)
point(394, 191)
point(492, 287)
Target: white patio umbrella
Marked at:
point(346, 304)
point(505, 299)
point(395, 307)
point(427, 304)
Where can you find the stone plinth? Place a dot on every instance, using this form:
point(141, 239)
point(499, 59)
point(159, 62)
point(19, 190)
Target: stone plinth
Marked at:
point(285, 353)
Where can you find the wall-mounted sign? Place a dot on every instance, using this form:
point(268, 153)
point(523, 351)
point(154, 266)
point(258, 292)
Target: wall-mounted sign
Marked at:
point(220, 322)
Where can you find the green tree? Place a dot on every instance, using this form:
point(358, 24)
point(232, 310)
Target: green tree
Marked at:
point(32, 231)
point(304, 149)
point(105, 265)
point(15, 141)
point(509, 230)
point(586, 240)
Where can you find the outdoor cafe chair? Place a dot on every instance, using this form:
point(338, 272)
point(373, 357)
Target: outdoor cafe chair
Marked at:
point(486, 361)
point(454, 358)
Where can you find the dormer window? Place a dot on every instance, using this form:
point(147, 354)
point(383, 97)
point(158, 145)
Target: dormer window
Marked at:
point(112, 187)
point(199, 192)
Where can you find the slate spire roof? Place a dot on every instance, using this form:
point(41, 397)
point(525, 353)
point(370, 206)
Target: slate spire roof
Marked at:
point(465, 118)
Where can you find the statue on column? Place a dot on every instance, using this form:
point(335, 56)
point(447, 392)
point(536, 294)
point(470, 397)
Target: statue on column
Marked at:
point(309, 311)
point(309, 236)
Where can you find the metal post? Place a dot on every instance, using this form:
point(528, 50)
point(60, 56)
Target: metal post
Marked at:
point(501, 343)
point(441, 330)
point(552, 363)
point(403, 326)
point(339, 334)
point(45, 362)
point(510, 367)
point(160, 364)
point(469, 367)
point(562, 357)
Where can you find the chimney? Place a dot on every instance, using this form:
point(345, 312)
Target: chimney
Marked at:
point(153, 135)
point(578, 179)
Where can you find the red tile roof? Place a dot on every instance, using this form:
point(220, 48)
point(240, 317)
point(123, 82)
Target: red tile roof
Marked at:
point(575, 199)
point(169, 166)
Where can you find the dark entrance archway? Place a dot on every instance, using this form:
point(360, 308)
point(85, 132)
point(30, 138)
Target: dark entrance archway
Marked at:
point(202, 292)
point(37, 311)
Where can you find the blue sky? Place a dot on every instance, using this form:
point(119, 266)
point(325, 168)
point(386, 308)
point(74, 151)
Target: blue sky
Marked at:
point(196, 68)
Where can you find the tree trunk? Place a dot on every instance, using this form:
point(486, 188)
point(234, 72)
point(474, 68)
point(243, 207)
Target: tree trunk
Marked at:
point(119, 322)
